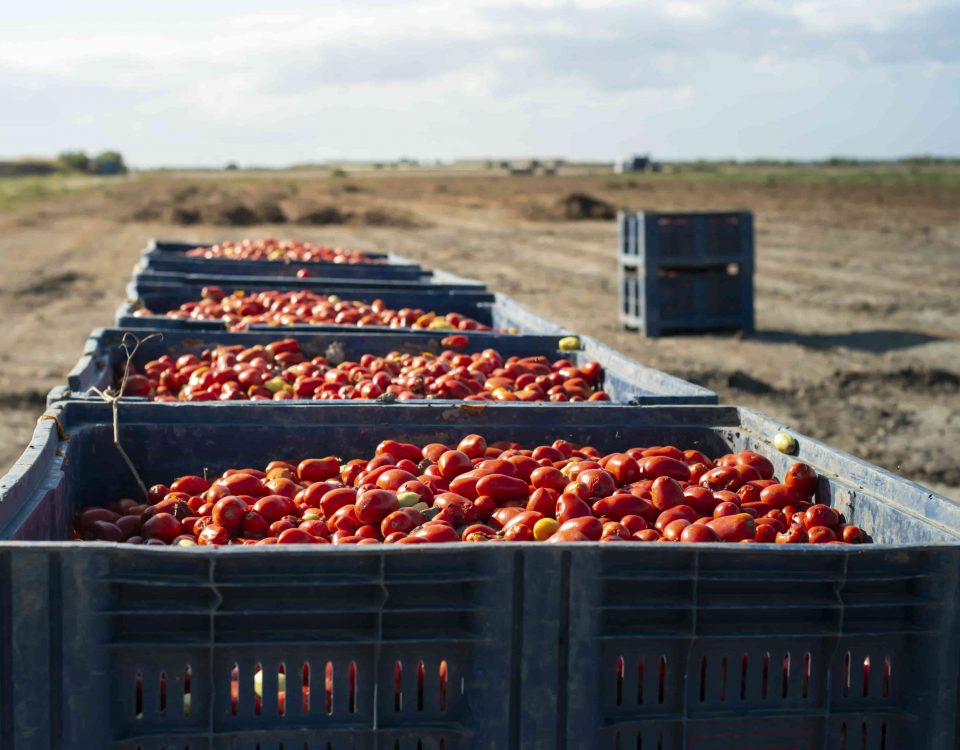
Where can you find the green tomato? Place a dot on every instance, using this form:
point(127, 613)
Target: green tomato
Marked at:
point(785, 443)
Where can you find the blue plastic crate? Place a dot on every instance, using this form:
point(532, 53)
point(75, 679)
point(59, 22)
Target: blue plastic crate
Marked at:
point(624, 380)
point(435, 280)
point(169, 256)
point(496, 310)
point(569, 646)
point(686, 240)
point(658, 303)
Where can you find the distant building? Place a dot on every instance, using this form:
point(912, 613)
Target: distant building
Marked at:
point(25, 168)
point(636, 164)
point(534, 166)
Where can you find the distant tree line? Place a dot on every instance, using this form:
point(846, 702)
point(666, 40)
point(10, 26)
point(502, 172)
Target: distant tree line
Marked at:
point(106, 162)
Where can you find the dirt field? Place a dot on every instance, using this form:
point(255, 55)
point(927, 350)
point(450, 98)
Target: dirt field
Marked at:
point(858, 310)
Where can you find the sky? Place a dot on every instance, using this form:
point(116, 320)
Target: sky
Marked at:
point(278, 83)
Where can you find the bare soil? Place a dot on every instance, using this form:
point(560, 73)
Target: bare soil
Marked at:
point(858, 313)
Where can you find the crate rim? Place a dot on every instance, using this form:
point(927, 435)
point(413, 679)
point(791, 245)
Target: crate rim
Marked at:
point(46, 440)
point(681, 388)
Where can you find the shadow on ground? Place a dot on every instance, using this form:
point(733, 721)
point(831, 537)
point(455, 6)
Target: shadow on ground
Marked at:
point(876, 342)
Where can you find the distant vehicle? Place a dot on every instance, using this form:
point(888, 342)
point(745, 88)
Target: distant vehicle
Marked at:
point(636, 164)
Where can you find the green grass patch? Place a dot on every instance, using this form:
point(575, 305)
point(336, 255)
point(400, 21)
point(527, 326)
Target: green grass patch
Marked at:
point(19, 191)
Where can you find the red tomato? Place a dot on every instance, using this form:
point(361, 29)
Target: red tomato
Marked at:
point(372, 506)
point(699, 533)
point(820, 515)
point(229, 513)
point(570, 506)
point(589, 526)
point(665, 492)
point(453, 463)
point(318, 469)
point(734, 528)
point(502, 488)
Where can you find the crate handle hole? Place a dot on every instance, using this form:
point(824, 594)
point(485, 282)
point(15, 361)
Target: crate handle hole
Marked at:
point(786, 675)
point(163, 693)
point(883, 736)
point(420, 685)
point(187, 697)
point(744, 663)
point(234, 689)
point(663, 679)
point(442, 698)
point(282, 689)
point(866, 676)
point(640, 682)
point(887, 670)
point(305, 691)
point(723, 678)
point(765, 681)
point(398, 686)
point(846, 675)
point(807, 667)
point(620, 681)
point(257, 694)
point(328, 688)
point(138, 695)
point(352, 696)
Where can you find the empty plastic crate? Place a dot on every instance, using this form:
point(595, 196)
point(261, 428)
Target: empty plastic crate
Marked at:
point(692, 647)
point(624, 379)
point(662, 302)
point(170, 256)
point(685, 240)
point(496, 310)
point(686, 272)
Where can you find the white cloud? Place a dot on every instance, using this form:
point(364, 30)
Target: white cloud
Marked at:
point(509, 75)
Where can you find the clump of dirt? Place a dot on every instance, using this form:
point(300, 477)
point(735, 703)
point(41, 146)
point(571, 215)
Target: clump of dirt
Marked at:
point(314, 214)
point(240, 207)
point(230, 214)
point(580, 206)
point(572, 207)
point(391, 217)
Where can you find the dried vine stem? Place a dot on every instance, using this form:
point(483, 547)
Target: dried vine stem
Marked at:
point(113, 399)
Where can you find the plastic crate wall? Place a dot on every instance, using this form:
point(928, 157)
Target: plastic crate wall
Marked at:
point(170, 256)
point(686, 272)
point(435, 280)
point(686, 240)
point(624, 380)
point(684, 301)
point(579, 646)
point(500, 312)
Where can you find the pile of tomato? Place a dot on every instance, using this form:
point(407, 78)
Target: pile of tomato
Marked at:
point(282, 250)
point(240, 310)
point(279, 371)
point(477, 491)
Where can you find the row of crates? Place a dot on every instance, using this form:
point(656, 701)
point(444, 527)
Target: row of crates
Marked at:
point(522, 645)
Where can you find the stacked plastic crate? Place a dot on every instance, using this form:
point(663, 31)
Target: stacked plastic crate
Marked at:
point(686, 272)
point(520, 645)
